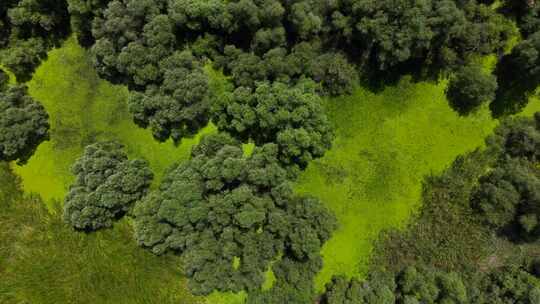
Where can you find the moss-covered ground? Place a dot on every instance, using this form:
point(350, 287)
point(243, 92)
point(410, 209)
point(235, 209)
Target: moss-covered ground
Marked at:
point(386, 143)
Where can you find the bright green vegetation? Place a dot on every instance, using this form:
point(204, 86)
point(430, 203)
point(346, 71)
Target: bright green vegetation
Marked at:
point(84, 109)
point(385, 145)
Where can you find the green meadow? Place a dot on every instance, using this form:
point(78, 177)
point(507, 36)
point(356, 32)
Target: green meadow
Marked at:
point(386, 143)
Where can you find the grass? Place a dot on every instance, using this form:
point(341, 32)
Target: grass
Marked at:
point(386, 143)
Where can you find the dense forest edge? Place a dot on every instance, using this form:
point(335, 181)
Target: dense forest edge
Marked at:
point(269, 151)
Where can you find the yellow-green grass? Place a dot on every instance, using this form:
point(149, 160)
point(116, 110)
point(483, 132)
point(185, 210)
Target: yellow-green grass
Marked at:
point(82, 110)
point(385, 145)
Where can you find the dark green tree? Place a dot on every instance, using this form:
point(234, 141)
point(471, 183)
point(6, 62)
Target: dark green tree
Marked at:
point(336, 75)
point(508, 199)
point(518, 75)
point(469, 88)
point(409, 286)
point(199, 16)
point(230, 215)
point(4, 80)
point(378, 288)
point(28, 29)
point(506, 285)
point(290, 117)
point(23, 124)
point(293, 284)
point(132, 37)
point(83, 13)
point(180, 106)
point(107, 185)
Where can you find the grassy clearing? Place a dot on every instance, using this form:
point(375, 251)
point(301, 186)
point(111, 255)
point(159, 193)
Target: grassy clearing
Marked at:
point(84, 109)
point(385, 145)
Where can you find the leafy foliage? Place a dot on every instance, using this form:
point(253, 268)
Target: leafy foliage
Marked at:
point(412, 285)
point(82, 14)
point(469, 88)
point(28, 28)
point(518, 75)
point(292, 118)
point(230, 215)
point(23, 124)
point(106, 187)
point(180, 106)
point(507, 285)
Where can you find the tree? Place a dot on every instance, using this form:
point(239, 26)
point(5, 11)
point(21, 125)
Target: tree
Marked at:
point(469, 88)
point(411, 285)
point(506, 285)
point(518, 137)
point(293, 284)
point(518, 75)
point(83, 13)
point(132, 37)
point(4, 80)
point(336, 75)
point(23, 124)
point(290, 117)
point(23, 56)
point(508, 199)
point(430, 34)
point(180, 106)
point(378, 288)
point(28, 28)
point(229, 215)
point(107, 185)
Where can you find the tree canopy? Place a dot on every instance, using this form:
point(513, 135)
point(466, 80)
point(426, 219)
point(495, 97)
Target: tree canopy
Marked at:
point(180, 106)
point(292, 118)
point(230, 215)
point(469, 88)
point(411, 285)
point(107, 185)
point(23, 123)
point(28, 29)
point(518, 75)
point(508, 197)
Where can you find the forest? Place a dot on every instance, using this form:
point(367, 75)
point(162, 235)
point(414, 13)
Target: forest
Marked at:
point(270, 151)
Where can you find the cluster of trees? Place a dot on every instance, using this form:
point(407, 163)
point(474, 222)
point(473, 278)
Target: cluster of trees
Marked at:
point(28, 29)
point(230, 215)
point(23, 122)
point(508, 197)
point(107, 185)
point(429, 285)
point(255, 41)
